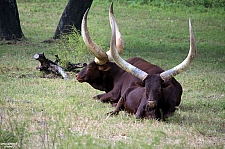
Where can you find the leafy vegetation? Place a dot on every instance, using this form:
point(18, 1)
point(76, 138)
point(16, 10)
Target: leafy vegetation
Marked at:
point(205, 3)
point(38, 112)
point(72, 49)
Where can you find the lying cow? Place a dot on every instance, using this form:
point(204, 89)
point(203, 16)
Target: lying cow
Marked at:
point(141, 101)
point(106, 76)
point(134, 103)
point(160, 94)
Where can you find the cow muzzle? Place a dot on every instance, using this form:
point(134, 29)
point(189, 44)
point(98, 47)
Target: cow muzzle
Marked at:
point(151, 104)
point(79, 79)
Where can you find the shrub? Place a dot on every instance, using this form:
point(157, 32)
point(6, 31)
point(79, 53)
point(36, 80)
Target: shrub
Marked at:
point(205, 3)
point(72, 49)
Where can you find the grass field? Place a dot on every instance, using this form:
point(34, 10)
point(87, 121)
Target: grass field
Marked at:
point(38, 112)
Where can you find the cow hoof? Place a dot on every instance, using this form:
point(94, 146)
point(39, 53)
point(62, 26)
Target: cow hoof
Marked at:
point(109, 113)
point(114, 104)
point(112, 113)
point(96, 97)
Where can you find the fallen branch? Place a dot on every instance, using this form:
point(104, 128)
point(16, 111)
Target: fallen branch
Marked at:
point(74, 67)
point(50, 66)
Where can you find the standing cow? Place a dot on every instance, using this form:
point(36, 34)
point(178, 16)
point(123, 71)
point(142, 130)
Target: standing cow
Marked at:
point(160, 92)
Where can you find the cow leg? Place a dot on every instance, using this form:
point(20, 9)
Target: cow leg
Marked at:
point(119, 107)
point(166, 116)
point(106, 97)
point(169, 111)
point(140, 112)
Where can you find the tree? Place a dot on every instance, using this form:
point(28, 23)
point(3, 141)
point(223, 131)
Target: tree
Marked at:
point(10, 28)
point(72, 16)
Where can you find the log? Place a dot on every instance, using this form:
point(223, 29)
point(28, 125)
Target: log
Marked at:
point(49, 66)
point(74, 67)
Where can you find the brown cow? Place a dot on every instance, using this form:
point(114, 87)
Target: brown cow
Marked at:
point(111, 78)
point(160, 94)
point(157, 99)
point(106, 76)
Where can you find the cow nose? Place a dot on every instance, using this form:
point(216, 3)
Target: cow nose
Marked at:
point(77, 76)
point(151, 104)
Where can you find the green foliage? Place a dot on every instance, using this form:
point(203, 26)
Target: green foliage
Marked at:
point(40, 1)
point(133, 2)
point(7, 137)
point(72, 49)
point(189, 3)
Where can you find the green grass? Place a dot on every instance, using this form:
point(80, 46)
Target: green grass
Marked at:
point(40, 112)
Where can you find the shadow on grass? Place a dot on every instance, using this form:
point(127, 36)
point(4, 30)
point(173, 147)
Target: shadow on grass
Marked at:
point(206, 118)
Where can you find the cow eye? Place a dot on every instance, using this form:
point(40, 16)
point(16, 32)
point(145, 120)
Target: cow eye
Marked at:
point(90, 68)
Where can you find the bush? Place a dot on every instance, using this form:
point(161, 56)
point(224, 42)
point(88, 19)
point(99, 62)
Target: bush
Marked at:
point(205, 3)
point(72, 49)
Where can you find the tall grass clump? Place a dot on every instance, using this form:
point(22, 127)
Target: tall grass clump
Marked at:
point(72, 49)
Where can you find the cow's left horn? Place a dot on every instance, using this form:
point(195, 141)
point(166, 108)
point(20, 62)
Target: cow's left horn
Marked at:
point(184, 65)
point(100, 55)
point(118, 60)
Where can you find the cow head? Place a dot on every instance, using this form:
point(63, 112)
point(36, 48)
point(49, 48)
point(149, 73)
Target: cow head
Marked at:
point(94, 72)
point(98, 76)
point(150, 93)
point(162, 92)
point(153, 90)
point(160, 96)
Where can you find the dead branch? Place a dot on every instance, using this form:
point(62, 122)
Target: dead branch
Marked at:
point(49, 66)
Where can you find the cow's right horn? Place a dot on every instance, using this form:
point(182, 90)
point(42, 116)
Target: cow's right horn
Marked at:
point(100, 55)
point(184, 65)
point(119, 38)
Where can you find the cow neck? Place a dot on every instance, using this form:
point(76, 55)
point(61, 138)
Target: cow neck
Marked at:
point(116, 72)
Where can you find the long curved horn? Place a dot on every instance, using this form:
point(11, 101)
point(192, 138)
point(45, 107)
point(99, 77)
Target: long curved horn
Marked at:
point(184, 65)
point(119, 38)
point(118, 60)
point(100, 55)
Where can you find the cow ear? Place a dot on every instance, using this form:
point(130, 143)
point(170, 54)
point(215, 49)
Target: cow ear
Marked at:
point(166, 84)
point(104, 67)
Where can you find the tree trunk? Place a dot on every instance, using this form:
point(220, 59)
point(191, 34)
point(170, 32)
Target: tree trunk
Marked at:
point(10, 28)
point(72, 16)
